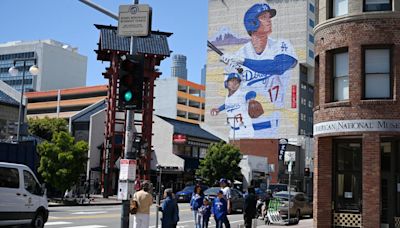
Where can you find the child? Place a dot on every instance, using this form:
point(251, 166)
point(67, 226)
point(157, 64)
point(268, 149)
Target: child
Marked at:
point(220, 210)
point(205, 213)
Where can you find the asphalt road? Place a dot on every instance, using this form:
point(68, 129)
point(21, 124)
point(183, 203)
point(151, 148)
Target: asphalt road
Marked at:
point(110, 216)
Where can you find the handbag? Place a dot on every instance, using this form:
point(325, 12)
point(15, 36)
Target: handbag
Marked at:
point(133, 207)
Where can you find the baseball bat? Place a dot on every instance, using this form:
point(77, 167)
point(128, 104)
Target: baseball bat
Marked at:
point(219, 52)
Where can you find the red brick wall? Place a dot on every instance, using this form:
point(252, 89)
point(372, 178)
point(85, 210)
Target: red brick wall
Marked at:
point(371, 180)
point(354, 35)
point(264, 148)
point(323, 182)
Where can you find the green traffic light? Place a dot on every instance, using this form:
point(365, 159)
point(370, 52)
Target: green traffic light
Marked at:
point(128, 96)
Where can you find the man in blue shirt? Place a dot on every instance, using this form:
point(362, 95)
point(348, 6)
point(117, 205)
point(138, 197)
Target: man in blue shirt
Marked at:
point(220, 211)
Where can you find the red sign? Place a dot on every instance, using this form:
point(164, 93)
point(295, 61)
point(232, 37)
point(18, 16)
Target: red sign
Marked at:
point(294, 96)
point(178, 138)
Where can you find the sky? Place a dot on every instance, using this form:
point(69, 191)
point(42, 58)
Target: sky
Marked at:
point(72, 22)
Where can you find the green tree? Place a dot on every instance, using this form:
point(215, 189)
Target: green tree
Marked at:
point(222, 160)
point(62, 161)
point(46, 127)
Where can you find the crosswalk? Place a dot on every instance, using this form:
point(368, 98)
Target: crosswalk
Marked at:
point(60, 223)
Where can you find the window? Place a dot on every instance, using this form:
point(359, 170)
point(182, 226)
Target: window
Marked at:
point(347, 176)
point(377, 82)
point(9, 178)
point(339, 7)
point(312, 8)
point(203, 152)
point(310, 54)
point(377, 5)
point(341, 76)
point(30, 183)
point(311, 38)
point(311, 23)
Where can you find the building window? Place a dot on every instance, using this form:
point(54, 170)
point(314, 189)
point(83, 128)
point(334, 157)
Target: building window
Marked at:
point(312, 8)
point(311, 23)
point(347, 175)
point(310, 54)
point(311, 38)
point(339, 7)
point(341, 76)
point(377, 80)
point(377, 5)
point(203, 152)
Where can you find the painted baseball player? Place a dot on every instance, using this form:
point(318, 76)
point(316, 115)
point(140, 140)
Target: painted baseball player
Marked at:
point(265, 61)
point(236, 108)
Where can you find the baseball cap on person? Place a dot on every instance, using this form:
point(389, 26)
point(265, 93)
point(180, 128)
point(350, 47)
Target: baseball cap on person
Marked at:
point(220, 192)
point(222, 180)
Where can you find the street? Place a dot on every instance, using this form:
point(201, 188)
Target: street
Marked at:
point(109, 216)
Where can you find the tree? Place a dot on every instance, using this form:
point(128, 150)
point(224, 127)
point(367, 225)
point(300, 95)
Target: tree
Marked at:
point(46, 127)
point(222, 160)
point(62, 161)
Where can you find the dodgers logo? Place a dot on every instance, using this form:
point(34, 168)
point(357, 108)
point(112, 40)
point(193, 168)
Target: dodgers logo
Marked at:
point(233, 107)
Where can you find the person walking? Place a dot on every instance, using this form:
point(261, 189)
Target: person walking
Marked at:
point(144, 200)
point(169, 210)
point(249, 207)
point(205, 213)
point(220, 210)
point(195, 203)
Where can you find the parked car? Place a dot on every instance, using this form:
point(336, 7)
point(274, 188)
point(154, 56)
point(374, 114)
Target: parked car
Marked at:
point(185, 194)
point(300, 204)
point(281, 187)
point(237, 197)
point(23, 200)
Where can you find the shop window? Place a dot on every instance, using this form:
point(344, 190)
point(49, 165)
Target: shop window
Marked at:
point(339, 8)
point(203, 152)
point(377, 79)
point(347, 176)
point(341, 76)
point(377, 5)
point(195, 152)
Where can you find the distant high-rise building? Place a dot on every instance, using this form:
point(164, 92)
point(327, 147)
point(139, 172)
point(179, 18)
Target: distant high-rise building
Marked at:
point(178, 68)
point(203, 74)
point(60, 65)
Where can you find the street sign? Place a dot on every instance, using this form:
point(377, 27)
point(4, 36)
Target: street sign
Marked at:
point(134, 20)
point(127, 169)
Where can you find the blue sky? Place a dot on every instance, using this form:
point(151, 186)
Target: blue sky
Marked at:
point(71, 22)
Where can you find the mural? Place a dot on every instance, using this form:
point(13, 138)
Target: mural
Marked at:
point(258, 75)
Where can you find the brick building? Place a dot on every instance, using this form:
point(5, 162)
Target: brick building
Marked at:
point(356, 118)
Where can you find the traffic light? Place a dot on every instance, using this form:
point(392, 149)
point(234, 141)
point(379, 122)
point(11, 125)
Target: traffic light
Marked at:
point(306, 172)
point(131, 82)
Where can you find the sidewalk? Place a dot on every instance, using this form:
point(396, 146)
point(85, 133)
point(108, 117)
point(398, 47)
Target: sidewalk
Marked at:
point(94, 200)
point(304, 223)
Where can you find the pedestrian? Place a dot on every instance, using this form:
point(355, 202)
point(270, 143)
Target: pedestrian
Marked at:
point(195, 203)
point(96, 185)
point(220, 210)
point(137, 183)
point(144, 200)
point(205, 213)
point(169, 210)
point(249, 207)
point(87, 189)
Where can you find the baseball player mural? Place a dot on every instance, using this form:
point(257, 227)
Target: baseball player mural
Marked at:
point(261, 67)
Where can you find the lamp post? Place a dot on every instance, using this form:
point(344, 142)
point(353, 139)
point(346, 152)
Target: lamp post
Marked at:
point(34, 70)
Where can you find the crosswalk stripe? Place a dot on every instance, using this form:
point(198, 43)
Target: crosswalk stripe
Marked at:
point(89, 212)
point(57, 223)
point(88, 226)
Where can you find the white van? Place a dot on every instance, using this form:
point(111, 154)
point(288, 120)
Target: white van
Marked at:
point(22, 199)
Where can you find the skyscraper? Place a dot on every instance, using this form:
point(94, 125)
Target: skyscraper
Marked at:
point(178, 68)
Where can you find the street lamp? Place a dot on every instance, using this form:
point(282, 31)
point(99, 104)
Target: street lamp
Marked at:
point(236, 119)
point(34, 70)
